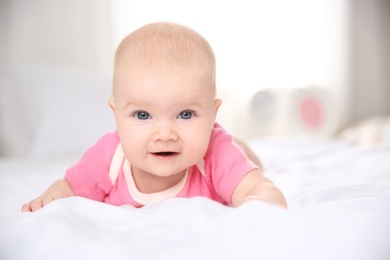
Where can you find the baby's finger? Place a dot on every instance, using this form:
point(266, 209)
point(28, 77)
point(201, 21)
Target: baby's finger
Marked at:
point(36, 204)
point(26, 207)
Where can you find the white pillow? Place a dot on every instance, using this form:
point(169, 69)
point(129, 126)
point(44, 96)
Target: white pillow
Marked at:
point(54, 112)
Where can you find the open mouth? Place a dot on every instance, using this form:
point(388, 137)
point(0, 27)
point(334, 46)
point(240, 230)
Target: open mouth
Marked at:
point(165, 153)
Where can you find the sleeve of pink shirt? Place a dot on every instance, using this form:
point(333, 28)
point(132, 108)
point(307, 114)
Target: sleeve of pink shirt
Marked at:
point(226, 163)
point(89, 177)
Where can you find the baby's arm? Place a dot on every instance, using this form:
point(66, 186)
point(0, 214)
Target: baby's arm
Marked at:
point(58, 190)
point(255, 186)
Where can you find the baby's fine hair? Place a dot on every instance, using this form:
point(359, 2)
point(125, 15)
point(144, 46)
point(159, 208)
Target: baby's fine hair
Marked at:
point(165, 45)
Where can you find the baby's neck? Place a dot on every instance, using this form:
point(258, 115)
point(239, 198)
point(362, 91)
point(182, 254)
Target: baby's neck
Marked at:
point(148, 183)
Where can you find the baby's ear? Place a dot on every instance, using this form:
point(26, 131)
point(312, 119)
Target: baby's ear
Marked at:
point(111, 102)
point(217, 104)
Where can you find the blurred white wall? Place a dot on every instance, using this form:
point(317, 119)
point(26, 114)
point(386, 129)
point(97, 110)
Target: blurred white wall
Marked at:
point(369, 58)
point(72, 33)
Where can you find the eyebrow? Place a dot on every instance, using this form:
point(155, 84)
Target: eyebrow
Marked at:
point(130, 103)
point(191, 104)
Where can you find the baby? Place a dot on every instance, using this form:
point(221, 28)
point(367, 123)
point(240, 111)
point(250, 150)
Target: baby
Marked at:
point(167, 142)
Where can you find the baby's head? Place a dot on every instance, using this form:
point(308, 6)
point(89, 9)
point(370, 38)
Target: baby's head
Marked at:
point(164, 98)
point(163, 48)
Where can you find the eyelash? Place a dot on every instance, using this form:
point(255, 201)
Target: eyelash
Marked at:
point(143, 115)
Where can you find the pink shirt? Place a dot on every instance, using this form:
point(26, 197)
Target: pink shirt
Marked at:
point(215, 177)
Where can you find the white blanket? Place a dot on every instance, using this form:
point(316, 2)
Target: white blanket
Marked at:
point(339, 198)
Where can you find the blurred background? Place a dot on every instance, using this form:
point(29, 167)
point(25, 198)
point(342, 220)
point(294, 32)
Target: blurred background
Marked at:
point(326, 62)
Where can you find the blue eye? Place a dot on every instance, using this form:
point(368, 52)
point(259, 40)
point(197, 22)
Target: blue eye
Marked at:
point(142, 115)
point(186, 114)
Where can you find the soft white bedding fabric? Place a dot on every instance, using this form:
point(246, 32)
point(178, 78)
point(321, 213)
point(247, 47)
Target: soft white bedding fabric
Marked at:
point(339, 198)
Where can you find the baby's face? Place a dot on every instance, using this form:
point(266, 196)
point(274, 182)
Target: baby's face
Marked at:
point(164, 119)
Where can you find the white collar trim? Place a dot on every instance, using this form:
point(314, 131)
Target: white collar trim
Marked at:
point(200, 166)
point(148, 198)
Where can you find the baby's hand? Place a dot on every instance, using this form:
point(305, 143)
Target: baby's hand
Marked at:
point(38, 203)
point(60, 189)
point(32, 206)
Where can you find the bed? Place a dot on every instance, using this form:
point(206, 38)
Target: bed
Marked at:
point(338, 193)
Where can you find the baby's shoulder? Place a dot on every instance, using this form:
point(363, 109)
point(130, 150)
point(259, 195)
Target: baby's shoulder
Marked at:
point(108, 143)
point(219, 137)
point(110, 137)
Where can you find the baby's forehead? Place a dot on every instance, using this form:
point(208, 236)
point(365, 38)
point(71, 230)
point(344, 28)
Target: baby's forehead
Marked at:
point(132, 76)
point(139, 80)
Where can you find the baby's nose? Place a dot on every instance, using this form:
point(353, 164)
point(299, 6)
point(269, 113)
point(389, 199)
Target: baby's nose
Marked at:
point(164, 132)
